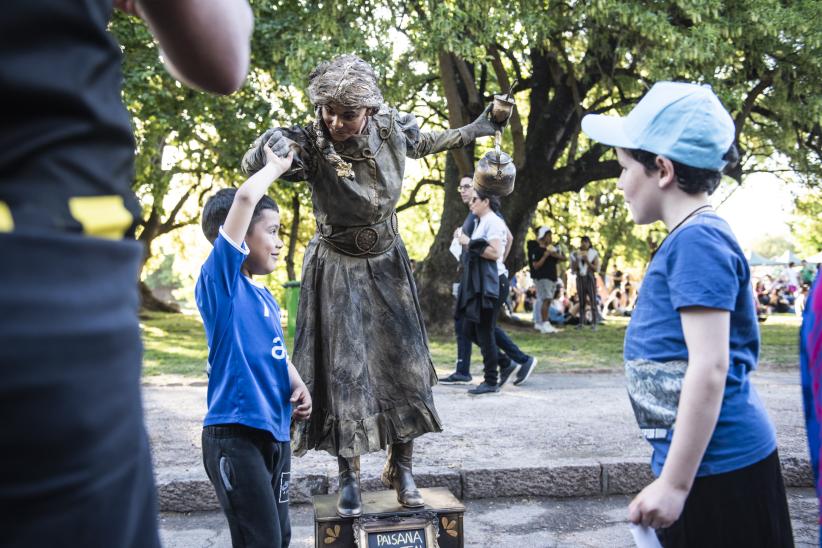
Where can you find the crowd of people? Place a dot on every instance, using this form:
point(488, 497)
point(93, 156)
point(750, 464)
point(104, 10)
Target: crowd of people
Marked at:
point(549, 287)
point(786, 291)
point(561, 290)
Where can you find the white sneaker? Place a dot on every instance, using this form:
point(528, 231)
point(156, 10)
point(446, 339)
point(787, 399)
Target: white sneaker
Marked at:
point(538, 326)
point(547, 328)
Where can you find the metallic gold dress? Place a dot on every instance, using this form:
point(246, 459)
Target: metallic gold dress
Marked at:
point(361, 345)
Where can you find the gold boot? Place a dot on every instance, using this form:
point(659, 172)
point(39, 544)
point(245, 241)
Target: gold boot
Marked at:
point(349, 501)
point(397, 474)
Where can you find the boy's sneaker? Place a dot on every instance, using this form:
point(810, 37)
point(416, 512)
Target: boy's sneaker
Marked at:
point(538, 326)
point(484, 388)
point(525, 371)
point(506, 374)
point(456, 378)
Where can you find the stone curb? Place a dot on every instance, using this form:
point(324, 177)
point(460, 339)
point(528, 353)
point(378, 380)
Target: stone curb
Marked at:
point(561, 479)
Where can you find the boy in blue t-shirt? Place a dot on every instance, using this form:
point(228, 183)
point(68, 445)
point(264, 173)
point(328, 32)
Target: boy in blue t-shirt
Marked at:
point(252, 383)
point(693, 339)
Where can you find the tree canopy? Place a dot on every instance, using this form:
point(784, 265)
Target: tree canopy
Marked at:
point(444, 60)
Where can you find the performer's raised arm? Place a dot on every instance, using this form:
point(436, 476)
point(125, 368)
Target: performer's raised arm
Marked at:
point(421, 143)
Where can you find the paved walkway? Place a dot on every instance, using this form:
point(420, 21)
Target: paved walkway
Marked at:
point(586, 522)
point(558, 435)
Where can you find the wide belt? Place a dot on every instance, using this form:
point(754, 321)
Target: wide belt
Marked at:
point(361, 241)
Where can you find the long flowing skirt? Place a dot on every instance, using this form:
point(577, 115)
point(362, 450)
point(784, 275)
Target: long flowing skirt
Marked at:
point(362, 350)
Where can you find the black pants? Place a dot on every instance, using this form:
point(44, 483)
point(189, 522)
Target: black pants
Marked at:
point(746, 507)
point(507, 349)
point(250, 471)
point(483, 334)
point(75, 468)
point(587, 292)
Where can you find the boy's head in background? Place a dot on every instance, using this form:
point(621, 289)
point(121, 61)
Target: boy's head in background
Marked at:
point(263, 236)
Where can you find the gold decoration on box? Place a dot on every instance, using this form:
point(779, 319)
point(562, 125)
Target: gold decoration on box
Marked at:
point(450, 526)
point(332, 534)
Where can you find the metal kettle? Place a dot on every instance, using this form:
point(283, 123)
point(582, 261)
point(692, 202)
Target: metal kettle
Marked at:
point(495, 172)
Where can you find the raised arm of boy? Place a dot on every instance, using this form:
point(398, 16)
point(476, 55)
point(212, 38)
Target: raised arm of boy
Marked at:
point(707, 332)
point(250, 192)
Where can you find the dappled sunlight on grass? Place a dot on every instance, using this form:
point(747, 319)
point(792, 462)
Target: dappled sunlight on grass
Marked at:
point(173, 344)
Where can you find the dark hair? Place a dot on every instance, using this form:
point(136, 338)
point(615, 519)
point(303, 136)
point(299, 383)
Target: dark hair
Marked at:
point(692, 180)
point(586, 239)
point(469, 175)
point(493, 200)
point(216, 210)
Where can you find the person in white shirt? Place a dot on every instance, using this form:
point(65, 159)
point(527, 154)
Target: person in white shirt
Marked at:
point(494, 231)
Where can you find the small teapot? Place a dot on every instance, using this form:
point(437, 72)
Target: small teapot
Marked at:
point(495, 172)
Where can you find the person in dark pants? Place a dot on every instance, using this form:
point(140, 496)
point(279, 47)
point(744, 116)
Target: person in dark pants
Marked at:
point(251, 383)
point(693, 339)
point(487, 244)
point(543, 257)
point(585, 264)
point(507, 349)
point(75, 468)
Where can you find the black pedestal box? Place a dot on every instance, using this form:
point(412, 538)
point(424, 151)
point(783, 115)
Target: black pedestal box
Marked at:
point(386, 524)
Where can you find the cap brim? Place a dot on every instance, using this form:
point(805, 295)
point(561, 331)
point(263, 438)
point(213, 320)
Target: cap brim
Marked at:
point(608, 130)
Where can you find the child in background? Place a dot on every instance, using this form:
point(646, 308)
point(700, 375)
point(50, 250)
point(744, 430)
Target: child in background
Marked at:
point(693, 339)
point(252, 383)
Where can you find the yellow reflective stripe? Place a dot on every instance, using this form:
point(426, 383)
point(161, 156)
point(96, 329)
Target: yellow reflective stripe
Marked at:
point(101, 216)
point(6, 220)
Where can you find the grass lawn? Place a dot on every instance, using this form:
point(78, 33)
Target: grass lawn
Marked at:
point(175, 344)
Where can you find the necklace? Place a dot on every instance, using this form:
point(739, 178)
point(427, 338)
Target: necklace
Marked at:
point(679, 224)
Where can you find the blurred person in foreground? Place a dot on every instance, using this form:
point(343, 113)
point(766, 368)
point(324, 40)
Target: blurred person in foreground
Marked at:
point(75, 468)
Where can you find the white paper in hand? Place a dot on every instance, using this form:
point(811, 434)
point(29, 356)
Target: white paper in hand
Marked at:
point(644, 537)
point(456, 248)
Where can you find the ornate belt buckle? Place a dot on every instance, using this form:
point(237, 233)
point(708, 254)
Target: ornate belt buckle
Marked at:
point(366, 238)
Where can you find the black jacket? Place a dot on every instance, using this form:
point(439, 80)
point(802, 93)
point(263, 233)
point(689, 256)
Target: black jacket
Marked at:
point(479, 285)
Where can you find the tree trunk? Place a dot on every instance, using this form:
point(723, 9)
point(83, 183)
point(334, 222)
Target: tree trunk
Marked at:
point(151, 303)
point(436, 274)
point(606, 258)
point(542, 169)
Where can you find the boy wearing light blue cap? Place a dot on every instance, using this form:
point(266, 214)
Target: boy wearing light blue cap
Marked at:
point(693, 339)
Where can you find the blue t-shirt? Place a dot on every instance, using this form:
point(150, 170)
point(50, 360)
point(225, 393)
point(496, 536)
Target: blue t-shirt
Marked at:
point(700, 264)
point(248, 383)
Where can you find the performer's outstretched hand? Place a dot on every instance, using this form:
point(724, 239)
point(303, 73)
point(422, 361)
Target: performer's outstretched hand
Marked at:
point(257, 157)
point(280, 161)
point(278, 143)
point(484, 125)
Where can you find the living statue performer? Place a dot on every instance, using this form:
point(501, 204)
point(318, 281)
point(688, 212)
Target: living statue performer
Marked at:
point(361, 345)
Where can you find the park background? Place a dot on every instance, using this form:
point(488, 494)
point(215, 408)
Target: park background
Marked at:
point(443, 61)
